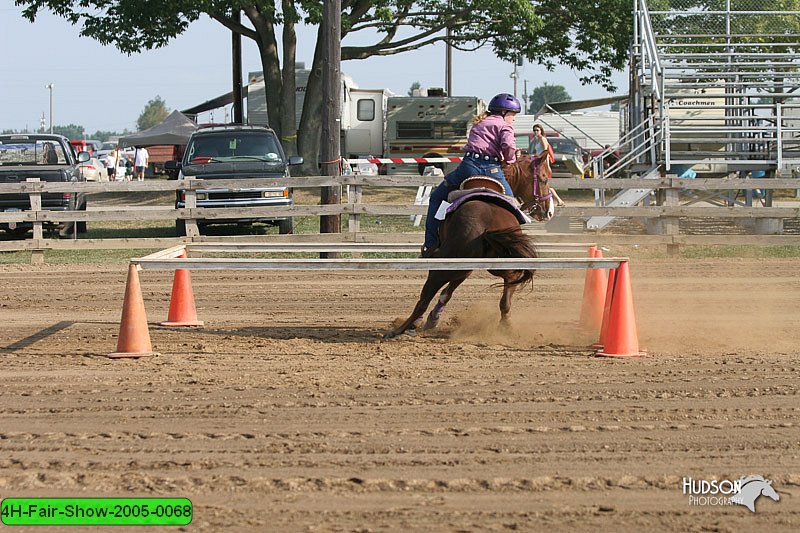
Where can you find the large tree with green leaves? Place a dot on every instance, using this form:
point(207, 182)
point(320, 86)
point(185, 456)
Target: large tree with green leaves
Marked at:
point(590, 36)
point(153, 113)
point(547, 94)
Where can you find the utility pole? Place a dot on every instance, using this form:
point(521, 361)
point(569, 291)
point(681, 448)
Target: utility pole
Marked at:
point(50, 86)
point(514, 77)
point(236, 50)
point(332, 112)
point(525, 96)
point(448, 62)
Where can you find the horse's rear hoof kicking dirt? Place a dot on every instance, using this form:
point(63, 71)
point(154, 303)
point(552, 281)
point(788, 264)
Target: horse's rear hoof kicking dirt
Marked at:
point(481, 228)
point(473, 234)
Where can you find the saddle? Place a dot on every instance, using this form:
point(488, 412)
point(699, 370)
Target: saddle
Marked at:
point(488, 190)
point(478, 184)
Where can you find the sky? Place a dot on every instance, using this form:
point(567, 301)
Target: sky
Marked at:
point(102, 89)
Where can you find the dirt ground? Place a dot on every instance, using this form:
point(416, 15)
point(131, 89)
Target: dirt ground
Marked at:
point(290, 412)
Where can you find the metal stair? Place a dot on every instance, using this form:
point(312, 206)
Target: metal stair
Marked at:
point(625, 198)
point(715, 90)
point(727, 86)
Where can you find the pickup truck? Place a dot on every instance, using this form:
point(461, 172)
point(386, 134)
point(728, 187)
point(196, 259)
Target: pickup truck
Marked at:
point(49, 158)
point(236, 152)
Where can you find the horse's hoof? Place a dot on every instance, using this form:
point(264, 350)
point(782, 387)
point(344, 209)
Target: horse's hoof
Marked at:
point(429, 325)
point(396, 333)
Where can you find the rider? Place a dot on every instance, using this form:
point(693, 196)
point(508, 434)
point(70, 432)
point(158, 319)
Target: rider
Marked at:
point(491, 140)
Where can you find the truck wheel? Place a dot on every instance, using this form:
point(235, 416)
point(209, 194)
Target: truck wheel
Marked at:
point(286, 227)
point(180, 228)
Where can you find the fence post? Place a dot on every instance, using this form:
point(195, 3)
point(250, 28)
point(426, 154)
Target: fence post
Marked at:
point(768, 226)
point(354, 195)
point(192, 231)
point(666, 225)
point(37, 254)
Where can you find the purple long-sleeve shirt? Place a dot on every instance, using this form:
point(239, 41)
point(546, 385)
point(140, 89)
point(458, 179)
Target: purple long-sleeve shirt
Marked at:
point(493, 136)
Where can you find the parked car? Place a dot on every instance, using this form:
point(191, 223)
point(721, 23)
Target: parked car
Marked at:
point(106, 148)
point(93, 170)
point(47, 157)
point(236, 152)
point(121, 169)
point(86, 145)
point(569, 157)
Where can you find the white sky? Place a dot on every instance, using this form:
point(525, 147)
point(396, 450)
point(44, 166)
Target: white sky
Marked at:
point(102, 89)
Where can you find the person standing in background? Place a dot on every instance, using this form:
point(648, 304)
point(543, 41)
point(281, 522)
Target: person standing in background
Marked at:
point(140, 160)
point(111, 164)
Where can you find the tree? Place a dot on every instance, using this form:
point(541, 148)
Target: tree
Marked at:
point(154, 113)
point(414, 86)
point(546, 94)
point(70, 131)
point(589, 36)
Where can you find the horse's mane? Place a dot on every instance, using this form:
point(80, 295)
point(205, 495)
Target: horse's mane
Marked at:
point(745, 480)
point(516, 171)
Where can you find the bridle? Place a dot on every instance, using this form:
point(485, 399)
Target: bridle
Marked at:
point(537, 208)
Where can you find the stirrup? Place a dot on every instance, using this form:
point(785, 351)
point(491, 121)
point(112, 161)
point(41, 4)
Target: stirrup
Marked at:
point(427, 253)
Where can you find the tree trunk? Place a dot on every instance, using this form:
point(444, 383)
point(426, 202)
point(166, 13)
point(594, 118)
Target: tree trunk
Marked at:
point(270, 64)
point(289, 88)
point(308, 137)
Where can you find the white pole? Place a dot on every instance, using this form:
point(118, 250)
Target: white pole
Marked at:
point(50, 86)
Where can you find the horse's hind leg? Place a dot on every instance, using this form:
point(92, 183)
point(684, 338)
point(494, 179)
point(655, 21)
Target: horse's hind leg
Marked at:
point(508, 291)
point(444, 297)
point(436, 280)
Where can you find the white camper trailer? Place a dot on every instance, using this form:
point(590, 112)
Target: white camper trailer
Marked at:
point(430, 126)
point(363, 112)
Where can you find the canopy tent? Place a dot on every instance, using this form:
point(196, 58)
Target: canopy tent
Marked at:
point(175, 129)
point(574, 105)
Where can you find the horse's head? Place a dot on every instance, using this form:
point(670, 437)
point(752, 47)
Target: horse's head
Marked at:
point(768, 491)
point(531, 183)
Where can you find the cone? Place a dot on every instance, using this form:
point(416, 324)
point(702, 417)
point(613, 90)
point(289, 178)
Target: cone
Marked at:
point(606, 309)
point(134, 337)
point(594, 296)
point(182, 311)
point(621, 339)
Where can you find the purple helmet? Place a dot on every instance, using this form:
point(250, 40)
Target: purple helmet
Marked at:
point(504, 102)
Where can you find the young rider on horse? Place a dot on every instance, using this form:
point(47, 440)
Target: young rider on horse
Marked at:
point(491, 140)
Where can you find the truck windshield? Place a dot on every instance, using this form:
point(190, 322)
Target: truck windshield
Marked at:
point(31, 153)
point(233, 147)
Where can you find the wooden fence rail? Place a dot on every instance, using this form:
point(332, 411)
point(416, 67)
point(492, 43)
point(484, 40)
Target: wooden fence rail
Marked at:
point(668, 212)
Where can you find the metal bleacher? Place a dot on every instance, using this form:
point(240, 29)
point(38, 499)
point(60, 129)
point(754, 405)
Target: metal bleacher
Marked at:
point(715, 92)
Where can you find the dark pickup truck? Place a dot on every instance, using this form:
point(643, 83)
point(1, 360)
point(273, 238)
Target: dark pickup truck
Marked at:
point(43, 156)
point(236, 152)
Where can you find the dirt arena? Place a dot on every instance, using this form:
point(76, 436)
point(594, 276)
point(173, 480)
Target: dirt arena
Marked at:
point(290, 412)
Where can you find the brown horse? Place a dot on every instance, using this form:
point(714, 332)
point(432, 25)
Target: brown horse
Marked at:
point(481, 229)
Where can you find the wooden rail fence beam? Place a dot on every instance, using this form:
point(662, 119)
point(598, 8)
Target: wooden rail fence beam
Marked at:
point(361, 247)
point(212, 263)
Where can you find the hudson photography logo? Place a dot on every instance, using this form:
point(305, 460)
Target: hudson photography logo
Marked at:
point(744, 491)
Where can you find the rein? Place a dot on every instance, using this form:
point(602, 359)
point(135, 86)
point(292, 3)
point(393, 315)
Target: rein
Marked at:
point(535, 184)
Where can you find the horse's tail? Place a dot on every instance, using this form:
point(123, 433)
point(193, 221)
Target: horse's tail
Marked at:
point(510, 242)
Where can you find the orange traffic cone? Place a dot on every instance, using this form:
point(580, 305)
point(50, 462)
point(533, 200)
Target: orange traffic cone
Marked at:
point(621, 338)
point(134, 337)
point(594, 296)
point(606, 309)
point(182, 311)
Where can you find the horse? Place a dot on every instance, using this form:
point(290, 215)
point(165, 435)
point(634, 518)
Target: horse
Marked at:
point(482, 229)
point(751, 488)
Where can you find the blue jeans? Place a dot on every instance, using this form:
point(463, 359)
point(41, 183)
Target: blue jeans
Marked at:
point(467, 168)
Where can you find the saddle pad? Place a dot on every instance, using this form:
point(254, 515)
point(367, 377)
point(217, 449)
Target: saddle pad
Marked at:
point(457, 198)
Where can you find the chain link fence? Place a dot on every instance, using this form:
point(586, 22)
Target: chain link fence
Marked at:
point(747, 21)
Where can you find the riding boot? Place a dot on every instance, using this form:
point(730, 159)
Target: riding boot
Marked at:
point(427, 253)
